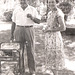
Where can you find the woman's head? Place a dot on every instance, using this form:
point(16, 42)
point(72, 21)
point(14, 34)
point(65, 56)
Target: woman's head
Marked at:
point(52, 4)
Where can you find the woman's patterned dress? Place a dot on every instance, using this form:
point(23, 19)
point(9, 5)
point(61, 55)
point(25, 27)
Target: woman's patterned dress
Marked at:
point(54, 44)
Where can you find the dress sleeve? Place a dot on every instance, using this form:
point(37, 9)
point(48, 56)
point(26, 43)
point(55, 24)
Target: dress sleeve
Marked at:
point(60, 15)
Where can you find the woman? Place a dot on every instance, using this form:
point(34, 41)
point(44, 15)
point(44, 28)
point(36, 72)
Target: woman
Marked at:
point(53, 39)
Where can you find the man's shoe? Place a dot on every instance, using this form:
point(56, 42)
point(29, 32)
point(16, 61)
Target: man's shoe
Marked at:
point(32, 74)
point(48, 72)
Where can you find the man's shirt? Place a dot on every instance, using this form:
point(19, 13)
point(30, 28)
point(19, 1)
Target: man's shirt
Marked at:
point(20, 16)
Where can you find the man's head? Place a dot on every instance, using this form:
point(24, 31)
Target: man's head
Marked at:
point(23, 3)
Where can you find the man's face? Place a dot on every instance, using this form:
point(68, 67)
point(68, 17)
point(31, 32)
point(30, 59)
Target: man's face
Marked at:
point(23, 3)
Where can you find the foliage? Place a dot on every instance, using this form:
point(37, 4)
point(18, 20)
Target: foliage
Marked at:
point(65, 7)
point(8, 15)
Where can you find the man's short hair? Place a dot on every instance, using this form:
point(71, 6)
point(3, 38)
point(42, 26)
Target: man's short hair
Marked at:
point(23, 0)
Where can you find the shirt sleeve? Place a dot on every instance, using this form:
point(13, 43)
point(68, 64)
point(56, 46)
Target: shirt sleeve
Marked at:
point(14, 16)
point(36, 14)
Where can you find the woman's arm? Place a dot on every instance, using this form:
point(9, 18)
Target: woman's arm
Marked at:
point(36, 20)
point(62, 26)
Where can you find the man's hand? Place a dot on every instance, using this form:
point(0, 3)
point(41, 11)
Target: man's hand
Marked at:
point(12, 38)
point(29, 16)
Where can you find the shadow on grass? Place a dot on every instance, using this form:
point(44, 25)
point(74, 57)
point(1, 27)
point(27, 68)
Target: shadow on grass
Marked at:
point(5, 37)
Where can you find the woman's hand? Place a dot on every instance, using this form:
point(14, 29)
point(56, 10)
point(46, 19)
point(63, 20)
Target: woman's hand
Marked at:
point(46, 29)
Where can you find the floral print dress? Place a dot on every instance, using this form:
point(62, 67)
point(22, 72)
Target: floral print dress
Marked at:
point(54, 44)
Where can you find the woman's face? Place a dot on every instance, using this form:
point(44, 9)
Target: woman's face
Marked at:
point(52, 4)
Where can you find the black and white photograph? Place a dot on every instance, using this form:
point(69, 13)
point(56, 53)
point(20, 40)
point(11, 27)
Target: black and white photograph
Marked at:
point(37, 37)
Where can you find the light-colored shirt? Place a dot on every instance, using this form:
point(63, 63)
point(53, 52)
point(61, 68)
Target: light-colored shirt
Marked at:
point(20, 16)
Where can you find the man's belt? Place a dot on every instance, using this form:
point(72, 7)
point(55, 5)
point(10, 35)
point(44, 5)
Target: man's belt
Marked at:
point(25, 26)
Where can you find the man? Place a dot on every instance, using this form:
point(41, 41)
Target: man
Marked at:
point(24, 17)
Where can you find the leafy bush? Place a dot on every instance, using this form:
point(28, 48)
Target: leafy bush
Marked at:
point(65, 7)
point(8, 15)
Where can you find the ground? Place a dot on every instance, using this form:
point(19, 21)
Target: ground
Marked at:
point(39, 49)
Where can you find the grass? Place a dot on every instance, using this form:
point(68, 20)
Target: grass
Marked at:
point(39, 49)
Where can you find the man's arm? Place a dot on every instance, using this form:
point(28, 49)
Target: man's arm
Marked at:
point(36, 20)
point(12, 30)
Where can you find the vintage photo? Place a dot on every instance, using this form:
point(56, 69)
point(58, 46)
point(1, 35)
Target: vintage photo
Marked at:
point(37, 37)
